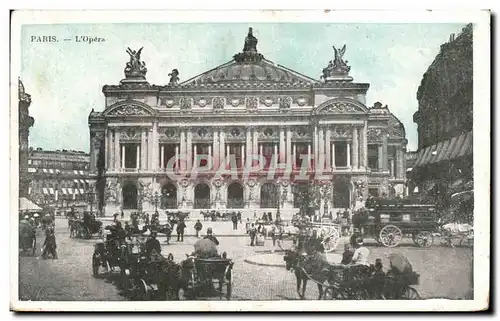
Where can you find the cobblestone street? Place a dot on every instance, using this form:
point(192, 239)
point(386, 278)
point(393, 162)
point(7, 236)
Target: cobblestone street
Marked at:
point(70, 277)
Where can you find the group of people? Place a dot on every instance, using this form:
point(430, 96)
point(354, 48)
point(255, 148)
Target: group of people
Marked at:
point(27, 235)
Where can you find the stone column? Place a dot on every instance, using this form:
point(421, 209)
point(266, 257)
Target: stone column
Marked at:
point(328, 150)
point(365, 145)
point(156, 147)
point(255, 142)
point(321, 153)
point(282, 146)
point(348, 155)
point(123, 157)
point(183, 150)
point(393, 175)
point(400, 159)
point(92, 154)
point(143, 149)
point(243, 155)
point(275, 161)
point(137, 156)
point(333, 155)
point(210, 163)
point(315, 144)
point(228, 155)
point(117, 149)
point(355, 147)
point(109, 149)
point(176, 156)
point(248, 143)
point(195, 155)
point(162, 156)
point(222, 146)
point(150, 148)
point(380, 157)
point(294, 153)
point(288, 159)
point(189, 147)
point(361, 148)
point(215, 147)
point(309, 154)
point(384, 152)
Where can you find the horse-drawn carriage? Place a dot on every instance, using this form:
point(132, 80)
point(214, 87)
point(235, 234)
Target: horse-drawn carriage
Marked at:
point(176, 217)
point(354, 282)
point(301, 227)
point(388, 221)
point(86, 227)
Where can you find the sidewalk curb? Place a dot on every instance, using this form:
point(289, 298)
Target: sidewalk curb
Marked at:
point(262, 264)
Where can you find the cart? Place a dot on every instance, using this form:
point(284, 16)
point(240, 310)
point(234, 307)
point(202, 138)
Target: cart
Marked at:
point(388, 221)
point(289, 234)
point(210, 277)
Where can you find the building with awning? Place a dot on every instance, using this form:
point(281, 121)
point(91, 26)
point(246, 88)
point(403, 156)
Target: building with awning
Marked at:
point(60, 178)
point(444, 161)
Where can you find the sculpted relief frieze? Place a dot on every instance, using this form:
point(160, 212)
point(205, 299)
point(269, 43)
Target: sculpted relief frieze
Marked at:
point(168, 133)
point(202, 133)
point(169, 102)
point(129, 110)
point(268, 101)
point(301, 132)
point(375, 134)
point(341, 131)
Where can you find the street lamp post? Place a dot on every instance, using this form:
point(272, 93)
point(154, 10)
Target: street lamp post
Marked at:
point(156, 201)
point(91, 194)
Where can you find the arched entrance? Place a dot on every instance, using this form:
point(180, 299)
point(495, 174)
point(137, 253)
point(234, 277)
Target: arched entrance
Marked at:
point(202, 196)
point(269, 196)
point(341, 194)
point(235, 196)
point(129, 196)
point(168, 196)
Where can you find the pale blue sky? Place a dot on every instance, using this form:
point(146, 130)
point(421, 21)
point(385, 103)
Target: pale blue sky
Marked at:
point(65, 79)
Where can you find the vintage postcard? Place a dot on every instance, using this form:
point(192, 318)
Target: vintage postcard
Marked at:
point(250, 161)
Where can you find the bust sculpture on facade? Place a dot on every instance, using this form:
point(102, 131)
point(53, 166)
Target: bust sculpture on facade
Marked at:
point(135, 68)
point(337, 67)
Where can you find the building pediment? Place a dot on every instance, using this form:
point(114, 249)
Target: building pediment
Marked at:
point(129, 108)
point(340, 106)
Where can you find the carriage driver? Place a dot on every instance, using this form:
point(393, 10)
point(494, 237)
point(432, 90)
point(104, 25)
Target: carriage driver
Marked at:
point(153, 244)
point(211, 237)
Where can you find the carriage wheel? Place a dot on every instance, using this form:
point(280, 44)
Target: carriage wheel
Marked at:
point(410, 294)
point(390, 236)
point(331, 241)
point(424, 239)
point(95, 266)
point(143, 289)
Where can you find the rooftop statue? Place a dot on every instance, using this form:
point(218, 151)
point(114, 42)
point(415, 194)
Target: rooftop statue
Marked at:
point(337, 66)
point(250, 42)
point(135, 68)
point(174, 77)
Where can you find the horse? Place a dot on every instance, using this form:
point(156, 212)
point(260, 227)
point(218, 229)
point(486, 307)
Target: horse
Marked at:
point(296, 262)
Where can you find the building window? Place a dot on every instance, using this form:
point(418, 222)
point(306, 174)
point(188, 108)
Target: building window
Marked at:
point(372, 156)
point(130, 155)
point(340, 154)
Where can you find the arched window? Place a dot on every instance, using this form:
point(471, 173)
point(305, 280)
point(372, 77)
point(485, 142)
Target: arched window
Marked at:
point(202, 196)
point(129, 196)
point(168, 196)
point(235, 196)
point(269, 196)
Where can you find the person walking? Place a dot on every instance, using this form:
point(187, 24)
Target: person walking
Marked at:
point(180, 231)
point(234, 218)
point(198, 227)
point(253, 234)
point(49, 245)
point(122, 215)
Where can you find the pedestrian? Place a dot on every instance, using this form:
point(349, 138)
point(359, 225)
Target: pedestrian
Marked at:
point(347, 255)
point(49, 245)
point(198, 227)
point(211, 237)
point(180, 231)
point(273, 234)
point(122, 215)
point(239, 217)
point(270, 217)
point(234, 218)
point(253, 234)
point(360, 256)
point(146, 221)
point(168, 232)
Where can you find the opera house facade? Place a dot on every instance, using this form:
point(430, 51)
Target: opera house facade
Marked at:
point(248, 134)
